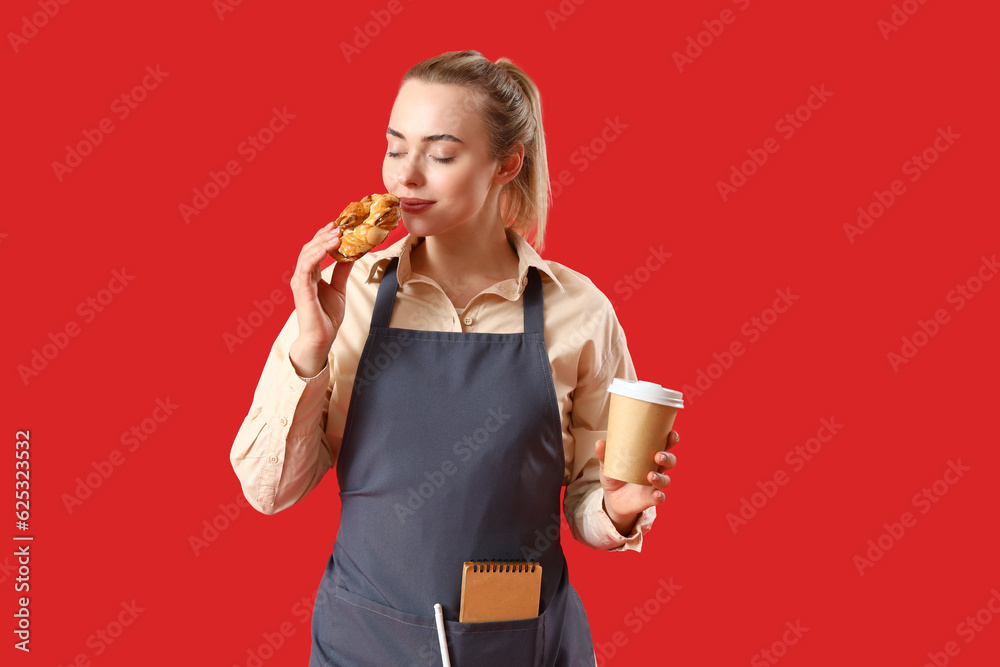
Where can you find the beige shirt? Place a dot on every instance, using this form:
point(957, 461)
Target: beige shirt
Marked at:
point(292, 434)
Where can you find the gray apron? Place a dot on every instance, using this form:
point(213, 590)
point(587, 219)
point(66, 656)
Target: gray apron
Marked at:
point(452, 452)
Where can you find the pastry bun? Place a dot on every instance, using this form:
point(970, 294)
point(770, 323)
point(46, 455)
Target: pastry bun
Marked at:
point(365, 224)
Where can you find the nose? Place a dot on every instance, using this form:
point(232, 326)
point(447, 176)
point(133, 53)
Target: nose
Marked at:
point(408, 173)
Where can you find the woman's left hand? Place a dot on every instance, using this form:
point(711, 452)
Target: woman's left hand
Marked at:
point(624, 501)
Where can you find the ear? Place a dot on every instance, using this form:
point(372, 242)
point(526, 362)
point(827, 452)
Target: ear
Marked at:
point(509, 167)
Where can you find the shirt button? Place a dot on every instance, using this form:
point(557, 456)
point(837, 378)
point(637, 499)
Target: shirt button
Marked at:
point(468, 320)
point(282, 421)
point(273, 458)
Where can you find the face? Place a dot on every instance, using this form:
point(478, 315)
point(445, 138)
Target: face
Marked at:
point(437, 151)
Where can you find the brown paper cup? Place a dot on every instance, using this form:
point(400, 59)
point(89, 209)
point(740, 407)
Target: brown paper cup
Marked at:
point(637, 429)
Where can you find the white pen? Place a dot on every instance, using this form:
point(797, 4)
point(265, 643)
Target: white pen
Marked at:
point(439, 617)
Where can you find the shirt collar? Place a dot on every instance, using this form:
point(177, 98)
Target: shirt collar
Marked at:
point(526, 258)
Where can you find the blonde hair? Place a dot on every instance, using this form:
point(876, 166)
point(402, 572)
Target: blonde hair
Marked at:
point(510, 106)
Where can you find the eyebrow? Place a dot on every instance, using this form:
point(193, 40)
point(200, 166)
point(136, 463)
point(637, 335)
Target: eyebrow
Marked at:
point(433, 137)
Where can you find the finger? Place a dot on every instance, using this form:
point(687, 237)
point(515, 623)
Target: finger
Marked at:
point(665, 460)
point(599, 447)
point(672, 438)
point(305, 268)
point(314, 252)
point(317, 246)
point(326, 230)
point(339, 278)
point(656, 495)
point(659, 481)
point(316, 275)
point(327, 241)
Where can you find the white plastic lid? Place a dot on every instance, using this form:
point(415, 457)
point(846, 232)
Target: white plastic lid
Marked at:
point(647, 391)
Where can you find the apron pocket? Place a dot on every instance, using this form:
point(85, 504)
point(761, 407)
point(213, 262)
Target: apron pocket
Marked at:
point(359, 631)
point(497, 643)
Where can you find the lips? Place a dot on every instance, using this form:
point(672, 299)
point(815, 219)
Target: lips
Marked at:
point(414, 205)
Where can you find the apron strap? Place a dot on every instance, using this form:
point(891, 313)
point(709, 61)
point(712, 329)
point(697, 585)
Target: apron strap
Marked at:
point(534, 321)
point(386, 295)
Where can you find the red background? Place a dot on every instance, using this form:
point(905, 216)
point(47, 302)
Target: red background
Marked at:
point(654, 186)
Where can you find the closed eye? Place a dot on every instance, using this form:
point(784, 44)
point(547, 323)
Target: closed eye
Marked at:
point(443, 160)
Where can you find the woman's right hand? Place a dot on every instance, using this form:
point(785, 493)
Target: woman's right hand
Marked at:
point(319, 305)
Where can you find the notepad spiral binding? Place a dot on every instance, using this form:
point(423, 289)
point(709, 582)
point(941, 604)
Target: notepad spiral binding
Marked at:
point(503, 566)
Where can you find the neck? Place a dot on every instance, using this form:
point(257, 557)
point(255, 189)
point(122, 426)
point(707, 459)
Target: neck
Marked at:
point(469, 254)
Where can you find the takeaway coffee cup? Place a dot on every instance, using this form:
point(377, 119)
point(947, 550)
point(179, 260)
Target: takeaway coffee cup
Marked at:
point(641, 416)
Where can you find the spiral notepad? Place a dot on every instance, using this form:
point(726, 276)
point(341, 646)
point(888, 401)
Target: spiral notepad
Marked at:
point(499, 591)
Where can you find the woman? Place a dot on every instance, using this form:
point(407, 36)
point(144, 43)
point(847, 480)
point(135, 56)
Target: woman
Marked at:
point(457, 381)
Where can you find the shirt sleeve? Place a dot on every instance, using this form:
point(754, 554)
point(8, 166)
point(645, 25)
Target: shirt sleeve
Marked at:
point(583, 503)
point(281, 451)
